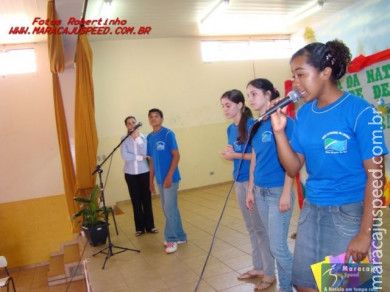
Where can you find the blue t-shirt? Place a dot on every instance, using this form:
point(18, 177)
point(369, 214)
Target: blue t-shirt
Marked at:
point(269, 172)
point(160, 146)
point(335, 141)
point(243, 171)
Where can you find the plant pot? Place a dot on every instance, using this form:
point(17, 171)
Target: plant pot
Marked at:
point(96, 235)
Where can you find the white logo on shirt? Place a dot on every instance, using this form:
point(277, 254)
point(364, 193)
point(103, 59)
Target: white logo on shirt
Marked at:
point(335, 142)
point(160, 145)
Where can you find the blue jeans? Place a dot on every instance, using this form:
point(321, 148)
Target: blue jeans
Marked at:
point(173, 231)
point(277, 224)
point(262, 258)
point(322, 231)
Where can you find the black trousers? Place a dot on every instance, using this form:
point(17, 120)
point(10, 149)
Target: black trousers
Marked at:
point(141, 200)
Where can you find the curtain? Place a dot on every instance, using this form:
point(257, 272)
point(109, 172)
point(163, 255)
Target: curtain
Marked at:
point(56, 58)
point(361, 61)
point(86, 140)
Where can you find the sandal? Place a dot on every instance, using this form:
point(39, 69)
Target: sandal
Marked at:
point(138, 233)
point(265, 284)
point(250, 275)
point(153, 230)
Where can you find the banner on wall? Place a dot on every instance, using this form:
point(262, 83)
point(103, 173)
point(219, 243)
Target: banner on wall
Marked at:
point(369, 77)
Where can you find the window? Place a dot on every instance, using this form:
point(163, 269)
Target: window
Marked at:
point(213, 51)
point(17, 61)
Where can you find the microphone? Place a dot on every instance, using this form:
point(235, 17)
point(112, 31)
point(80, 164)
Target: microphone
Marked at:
point(292, 96)
point(139, 124)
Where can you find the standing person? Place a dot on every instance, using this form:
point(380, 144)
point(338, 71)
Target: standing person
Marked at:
point(270, 189)
point(233, 104)
point(136, 170)
point(339, 136)
point(165, 156)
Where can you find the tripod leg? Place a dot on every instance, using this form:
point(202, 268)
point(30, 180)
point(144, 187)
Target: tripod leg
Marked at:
point(109, 253)
point(105, 260)
point(101, 251)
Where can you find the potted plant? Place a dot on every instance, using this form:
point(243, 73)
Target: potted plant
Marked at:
point(93, 218)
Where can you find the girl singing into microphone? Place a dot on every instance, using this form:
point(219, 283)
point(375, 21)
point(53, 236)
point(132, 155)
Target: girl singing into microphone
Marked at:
point(339, 137)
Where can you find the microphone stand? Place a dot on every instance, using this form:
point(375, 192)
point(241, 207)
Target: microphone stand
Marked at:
point(108, 250)
point(252, 131)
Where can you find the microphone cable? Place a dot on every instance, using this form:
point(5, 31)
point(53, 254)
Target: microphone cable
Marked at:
point(70, 281)
point(252, 131)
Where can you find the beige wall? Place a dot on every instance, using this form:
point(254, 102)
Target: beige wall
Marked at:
point(130, 77)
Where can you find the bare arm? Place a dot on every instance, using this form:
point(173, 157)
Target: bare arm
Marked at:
point(174, 164)
point(250, 199)
point(285, 198)
point(291, 161)
point(359, 246)
point(229, 154)
point(151, 176)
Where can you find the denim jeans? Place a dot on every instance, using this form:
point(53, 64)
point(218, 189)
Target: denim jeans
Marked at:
point(262, 258)
point(323, 231)
point(277, 224)
point(173, 231)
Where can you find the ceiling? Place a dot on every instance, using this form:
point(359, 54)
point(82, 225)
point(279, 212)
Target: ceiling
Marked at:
point(167, 18)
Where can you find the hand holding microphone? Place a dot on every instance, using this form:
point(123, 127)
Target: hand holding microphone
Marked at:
point(293, 96)
point(279, 119)
point(139, 124)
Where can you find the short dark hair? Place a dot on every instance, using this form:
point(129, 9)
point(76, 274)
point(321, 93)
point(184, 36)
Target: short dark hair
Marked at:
point(156, 110)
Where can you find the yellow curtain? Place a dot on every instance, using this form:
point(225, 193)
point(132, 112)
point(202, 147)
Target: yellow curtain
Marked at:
point(86, 140)
point(56, 57)
point(66, 156)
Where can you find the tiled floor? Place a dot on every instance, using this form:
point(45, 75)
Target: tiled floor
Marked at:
point(152, 270)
